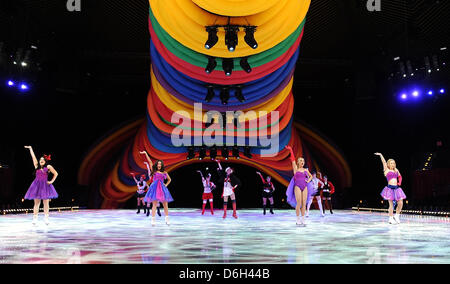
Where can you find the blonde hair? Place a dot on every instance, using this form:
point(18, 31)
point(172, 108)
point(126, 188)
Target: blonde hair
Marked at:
point(389, 161)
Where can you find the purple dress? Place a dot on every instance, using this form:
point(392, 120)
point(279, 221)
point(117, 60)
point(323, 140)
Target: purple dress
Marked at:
point(40, 189)
point(158, 191)
point(299, 180)
point(393, 192)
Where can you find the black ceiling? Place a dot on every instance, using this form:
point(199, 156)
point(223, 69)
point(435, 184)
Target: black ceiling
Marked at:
point(115, 32)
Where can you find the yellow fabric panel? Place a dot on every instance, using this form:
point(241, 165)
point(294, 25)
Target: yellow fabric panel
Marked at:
point(236, 8)
point(185, 22)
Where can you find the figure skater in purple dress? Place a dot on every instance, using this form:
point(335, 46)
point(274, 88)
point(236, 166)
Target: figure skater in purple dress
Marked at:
point(41, 189)
point(158, 191)
point(297, 191)
point(149, 163)
point(392, 192)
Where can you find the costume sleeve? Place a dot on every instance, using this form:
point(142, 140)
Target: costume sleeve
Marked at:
point(262, 179)
point(331, 187)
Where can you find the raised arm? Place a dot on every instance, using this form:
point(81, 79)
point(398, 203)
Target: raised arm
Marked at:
point(148, 158)
point(169, 180)
point(33, 156)
point(260, 175)
point(218, 164)
point(383, 161)
point(294, 164)
point(149, 171)
point(201, 174)
point(54, 172)
point(134, 177)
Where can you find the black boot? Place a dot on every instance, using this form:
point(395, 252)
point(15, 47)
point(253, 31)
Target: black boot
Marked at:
point(331, 207)
point(264, 209)
point(139, 209)
point(159, 212)
point(145, 209)
point(271, 208)
point(148, 211)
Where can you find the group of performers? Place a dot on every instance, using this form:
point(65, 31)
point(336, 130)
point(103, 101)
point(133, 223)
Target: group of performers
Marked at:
point(152, 190)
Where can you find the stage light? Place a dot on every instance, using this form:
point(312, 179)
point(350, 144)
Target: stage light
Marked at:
point(231, 37)
point(228, 65)
point(210, 95)
point(404, 96)
point(202, 153)
point(225, 152)
point(430, 93)
point(213, 152)
point(247, 152)
point(250, 37)
point(24, 87)
point(212, 64)
point(245, 65)
point(224, 95)
point(238, 94)
point(415, 94)
point(212, 37)
point(442, 91)
point(191, 153)
point(10, 83)
point(236, 152)
point(24, 64)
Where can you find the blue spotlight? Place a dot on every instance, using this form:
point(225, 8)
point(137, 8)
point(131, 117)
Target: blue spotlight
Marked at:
point(415, 94)
point(442, 91)
point(10, 83)
point(430, 93)
point(404, 97)
point(24, 87)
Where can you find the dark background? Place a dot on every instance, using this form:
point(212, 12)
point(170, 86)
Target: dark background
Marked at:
point(90, 74)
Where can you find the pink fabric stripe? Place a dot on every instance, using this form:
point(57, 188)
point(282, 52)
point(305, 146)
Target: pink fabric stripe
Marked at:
point(159, 192)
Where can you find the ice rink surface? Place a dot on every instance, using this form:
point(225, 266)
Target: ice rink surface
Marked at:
point(122, 236)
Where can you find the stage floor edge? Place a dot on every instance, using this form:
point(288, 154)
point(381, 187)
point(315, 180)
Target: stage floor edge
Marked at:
point(122, 236)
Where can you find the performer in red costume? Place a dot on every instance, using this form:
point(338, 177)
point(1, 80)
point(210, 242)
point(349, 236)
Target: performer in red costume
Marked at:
point(268, 190)
point(230, 183)
point(208, 187)
point(142, 188)
point(327, 189)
